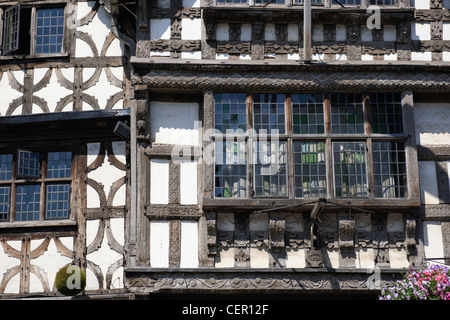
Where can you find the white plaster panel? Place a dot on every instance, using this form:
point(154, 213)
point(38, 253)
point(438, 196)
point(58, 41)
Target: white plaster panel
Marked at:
point(189, 244)
point(319, 57)
point(317, 32)
point(246, 32)
point(174, 123)
point(221, 56)
point(341, 32)
point(292, 32)
point(222, 32)
point(102, 90)
point(259, 258)
point(366, 33)
point(191, 29)
point(448, 170)
point(225, 258)
point(92, 152)
point(7, 262)
point(364, 258)
point(104, 256)
point(446, 30)
point(420, 4)
point(53, 92)
point(395, 222)
point(367, 57)
point(8, 94)
point(421, 56)
point(293, 56)
point(160, 54)
point(428, 182)
point(398, 258)
point(295, 258)
point(432, 123)
point(99, 28)
point(163, 3)
point(433, 242)
point(390, 33)
point(51, 261)
point(259, 222)
point(195, 55)
point(390, 57)
point(159, 29)
point(117, 226)
point(159, 180)
point(119, 149)
point(191, 3)
point(225, 222)
point(420, 31)
point(245, 56)
point(159, 244)
point(92, 197)
point(331, 258)
point(341, 56)
point(269, 32)
point(188, 182)
point(294, 222)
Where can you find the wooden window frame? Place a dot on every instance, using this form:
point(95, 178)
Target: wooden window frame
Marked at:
point(328, 138)
point(43, 181)
point(31, 53)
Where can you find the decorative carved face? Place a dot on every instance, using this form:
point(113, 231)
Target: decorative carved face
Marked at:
point(402, 32)
point(353, 31)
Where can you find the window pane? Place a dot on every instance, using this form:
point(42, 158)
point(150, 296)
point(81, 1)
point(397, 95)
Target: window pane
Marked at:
point(347, 113)
point(389, 168)
point(386, 113)
point(268, 112)
point(4, 203)
point(57, 201)
point(312, 1)
point(383, 2)
point(6, 166)
point(231, 1)
point(350, 169)
point(310, 169)
point(59, 165)
point(230, 111)
point(11, 29)
point(307, 114)
point(28, 164)
point(49, 30)
point(270, 169)
point(230, 169)
point(269, 1)
point(28, 202)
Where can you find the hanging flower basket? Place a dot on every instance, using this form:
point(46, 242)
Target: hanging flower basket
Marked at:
point(432, 283)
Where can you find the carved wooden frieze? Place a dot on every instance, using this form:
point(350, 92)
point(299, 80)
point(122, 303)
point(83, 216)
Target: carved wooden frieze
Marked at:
point(314, 259)
point(211, 232)
point(144, 48)
point(259, 239)
point(225, 239)
point(277, 228)
point(168, 13)
point(396, 239)
point(378, 48)
point(233, 47)
point(232, 281)
point(173, 211)
point(281, 48)
point(298, 240)
point(432, 15)
point(346, 232)
point(241, 240)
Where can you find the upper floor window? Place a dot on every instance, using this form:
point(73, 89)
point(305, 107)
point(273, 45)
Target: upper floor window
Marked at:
point(29, 30)
point(310, 145)
point(35, 186)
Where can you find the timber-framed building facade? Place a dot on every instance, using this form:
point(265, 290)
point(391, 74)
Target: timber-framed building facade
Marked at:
point(245, 170)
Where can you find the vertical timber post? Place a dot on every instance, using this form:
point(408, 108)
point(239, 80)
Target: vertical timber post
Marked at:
point(307, 31)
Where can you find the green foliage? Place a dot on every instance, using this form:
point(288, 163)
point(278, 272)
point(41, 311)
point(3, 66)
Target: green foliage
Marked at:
point(70, 280)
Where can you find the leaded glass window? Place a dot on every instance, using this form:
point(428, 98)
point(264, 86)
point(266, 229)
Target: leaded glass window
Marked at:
point(28, 164)
point(347, 113)
point(49, 30)
point(5, 194)
point(308, 114)
point(28, 202)
point(230, 169)
point(230, 112)
point(269, 113)
point(59, 165)
point(57, 202)
point(310, 169)
point(389, 166)
point(11, 25)
point(6, 161)
point(270, 168)
point(350, 178)
point(386, 113)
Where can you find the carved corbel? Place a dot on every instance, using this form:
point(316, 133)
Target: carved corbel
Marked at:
point(277, 227)
point(211, 237)
point(142, 116)
point(410, 232)
point(346, 232)
point(210, 26)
